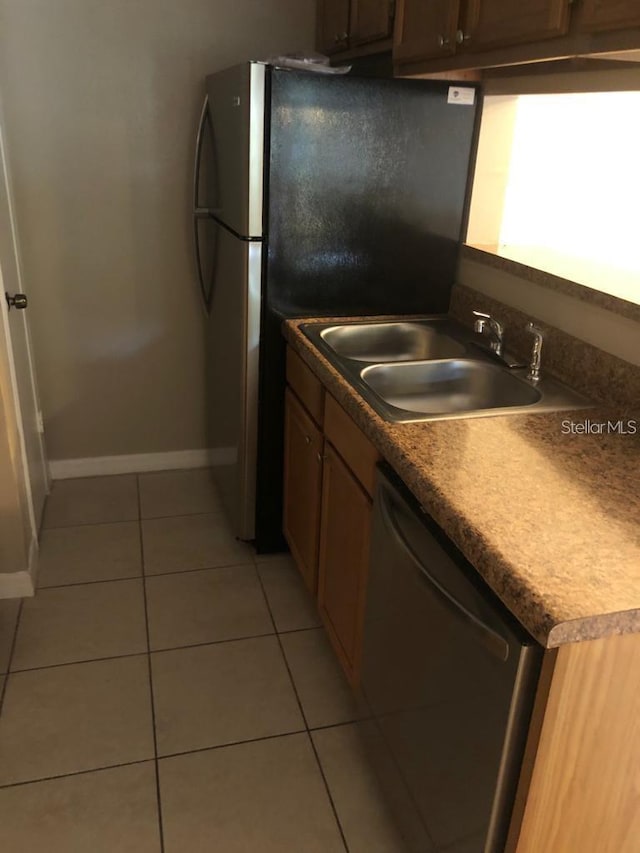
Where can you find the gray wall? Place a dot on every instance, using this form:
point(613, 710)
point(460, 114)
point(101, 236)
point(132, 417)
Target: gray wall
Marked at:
point(101, 102)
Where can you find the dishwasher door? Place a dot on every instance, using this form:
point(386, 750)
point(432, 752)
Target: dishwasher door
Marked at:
point(448, 679)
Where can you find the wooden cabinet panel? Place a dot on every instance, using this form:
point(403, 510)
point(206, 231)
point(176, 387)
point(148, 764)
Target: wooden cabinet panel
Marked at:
point(344, 559)
point(306, 385)
point(351, 443)
point(425, 30)
point(609, 14)
point(332, 26)
point(371, 20)
point(584, 792)
point(302, 488)
point(495, 23)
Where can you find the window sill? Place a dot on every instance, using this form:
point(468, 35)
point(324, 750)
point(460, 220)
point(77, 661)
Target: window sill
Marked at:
point(489, 256)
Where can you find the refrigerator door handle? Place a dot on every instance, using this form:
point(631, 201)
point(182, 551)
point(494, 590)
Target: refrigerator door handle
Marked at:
point(204, 115)
point(200, 212)
point(196, 246)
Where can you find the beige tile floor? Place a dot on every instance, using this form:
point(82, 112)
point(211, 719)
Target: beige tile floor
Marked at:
point(167, 690)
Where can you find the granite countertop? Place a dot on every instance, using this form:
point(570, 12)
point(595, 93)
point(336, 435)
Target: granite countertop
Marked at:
point(550, 519)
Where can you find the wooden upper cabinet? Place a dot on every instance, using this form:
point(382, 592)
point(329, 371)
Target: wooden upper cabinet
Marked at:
point(609, 14)
point(425, 30)
point(498, 23)
point(332, 26)
point(371, 20)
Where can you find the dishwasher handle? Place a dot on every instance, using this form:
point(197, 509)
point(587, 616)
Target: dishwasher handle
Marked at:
point(492, 641)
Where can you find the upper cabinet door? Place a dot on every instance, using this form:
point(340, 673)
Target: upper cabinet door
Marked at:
point(425, 30)
point(609, 14)
point(371, 20)
point(497, 23)
point(333, 26)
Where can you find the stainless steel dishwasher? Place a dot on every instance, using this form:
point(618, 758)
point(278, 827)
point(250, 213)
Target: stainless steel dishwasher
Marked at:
point(448, 681)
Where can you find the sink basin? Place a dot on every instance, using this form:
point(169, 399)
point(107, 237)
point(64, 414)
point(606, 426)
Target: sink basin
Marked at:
point(448, 387)
point(390, 342)
point(426, 369)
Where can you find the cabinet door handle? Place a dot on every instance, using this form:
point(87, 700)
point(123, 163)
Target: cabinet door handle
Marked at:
point(443, 41)
point(321, 457)
point(307, 438)
point(340, 37)
point(462, 37)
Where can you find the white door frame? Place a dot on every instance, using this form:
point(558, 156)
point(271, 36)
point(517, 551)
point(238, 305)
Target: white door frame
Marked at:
point(22, 581)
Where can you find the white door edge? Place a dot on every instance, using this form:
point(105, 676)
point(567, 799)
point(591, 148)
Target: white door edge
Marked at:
point(42, 460)
point(21, 584)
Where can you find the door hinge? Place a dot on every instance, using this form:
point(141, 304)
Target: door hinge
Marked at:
point(40, 423)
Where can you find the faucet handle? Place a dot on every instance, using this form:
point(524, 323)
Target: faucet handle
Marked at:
point(485, 320)
point(536, 356)
point(479, 324)
point(537, 332)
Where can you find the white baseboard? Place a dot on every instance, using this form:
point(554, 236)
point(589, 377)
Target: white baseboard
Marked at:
point(96, 466)
point(21, 584)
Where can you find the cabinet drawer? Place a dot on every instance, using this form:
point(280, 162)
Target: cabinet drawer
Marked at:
point(351, 443)
point(306, 385)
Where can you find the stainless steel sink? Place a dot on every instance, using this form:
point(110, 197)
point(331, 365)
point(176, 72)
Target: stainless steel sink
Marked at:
point(386, 342)
point(427, 369)
point(448, 387)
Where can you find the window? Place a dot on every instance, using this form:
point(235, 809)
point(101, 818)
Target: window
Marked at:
point(557, 186)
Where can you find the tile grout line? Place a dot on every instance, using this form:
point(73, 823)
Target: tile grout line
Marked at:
point(200, 569)
point(153, 575)
point(152, 651)
point(140, 518)
point(213, 748)
point(10, 660)
point(168, 649)
point(74, 773)
point(304, 716)
point(149, 670)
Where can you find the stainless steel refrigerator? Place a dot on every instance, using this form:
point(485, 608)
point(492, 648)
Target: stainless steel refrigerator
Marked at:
point(314, 195)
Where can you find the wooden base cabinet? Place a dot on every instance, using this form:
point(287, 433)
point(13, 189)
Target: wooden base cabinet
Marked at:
point(580, 785)
point(329, 475)
point(303, 443)
point(344, 559)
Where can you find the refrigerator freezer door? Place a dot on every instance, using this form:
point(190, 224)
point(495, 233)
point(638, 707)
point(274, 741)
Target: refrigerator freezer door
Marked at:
point(367, 188)
point(236, 115)
point(232, 373)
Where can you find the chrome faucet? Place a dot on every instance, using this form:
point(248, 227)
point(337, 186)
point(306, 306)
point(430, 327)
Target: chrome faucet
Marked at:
point(536, 355)
point(485, 322)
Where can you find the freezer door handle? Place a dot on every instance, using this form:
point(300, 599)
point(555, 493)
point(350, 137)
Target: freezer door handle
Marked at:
point(491, 640)
point(198, 211)
point(204, 118)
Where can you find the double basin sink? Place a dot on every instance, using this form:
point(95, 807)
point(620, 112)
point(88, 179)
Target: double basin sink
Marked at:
point(432, 369)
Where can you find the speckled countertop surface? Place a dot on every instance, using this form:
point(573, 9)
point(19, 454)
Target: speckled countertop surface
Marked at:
point(550, 520)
